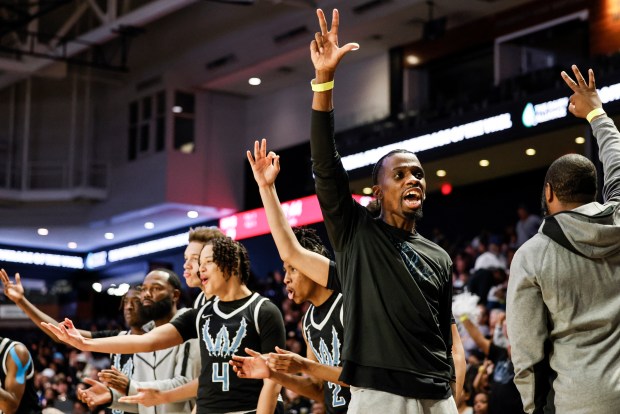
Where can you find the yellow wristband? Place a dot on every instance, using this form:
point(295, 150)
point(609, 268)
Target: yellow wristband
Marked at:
point(594, 113)
point(463, 318)
point(322, 87)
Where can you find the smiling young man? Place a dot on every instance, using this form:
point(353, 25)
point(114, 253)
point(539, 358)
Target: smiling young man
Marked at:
point(396, 284)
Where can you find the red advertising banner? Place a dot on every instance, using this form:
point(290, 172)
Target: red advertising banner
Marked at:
point(299, 212)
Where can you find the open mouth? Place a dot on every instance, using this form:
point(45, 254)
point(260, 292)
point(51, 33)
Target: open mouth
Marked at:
point(413, 198)
point(290, 293)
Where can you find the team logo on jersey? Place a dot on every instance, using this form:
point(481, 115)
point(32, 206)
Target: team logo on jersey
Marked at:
point(331, 358)
point(222, 345)
point(126, 369)
point(323, 354)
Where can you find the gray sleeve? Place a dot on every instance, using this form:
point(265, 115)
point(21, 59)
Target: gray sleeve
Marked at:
point(115, 405)
point(608, 139)
point(527, 319)
point(187, 367)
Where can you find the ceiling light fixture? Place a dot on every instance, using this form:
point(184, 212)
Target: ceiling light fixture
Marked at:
point(484, 163)
point(254, 81)
point(580, 140)
point(412, 60)
point(109, 236)
point(42, 232)
point(149, 225)
point(530, 152)
point(441, 173)
point(192, 214)
point(177, 109)
point(72, 245)
point(367, 190)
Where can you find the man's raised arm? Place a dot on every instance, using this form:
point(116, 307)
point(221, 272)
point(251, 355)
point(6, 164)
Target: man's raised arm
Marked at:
point(586, 103)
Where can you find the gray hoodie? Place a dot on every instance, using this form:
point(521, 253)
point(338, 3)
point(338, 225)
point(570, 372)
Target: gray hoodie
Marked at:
point(563, 303)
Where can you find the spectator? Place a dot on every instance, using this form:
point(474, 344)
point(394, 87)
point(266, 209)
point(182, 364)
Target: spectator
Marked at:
point(527, 226)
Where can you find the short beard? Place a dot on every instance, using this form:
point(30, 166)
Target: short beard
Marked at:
point(415, 215)
point(157, 310)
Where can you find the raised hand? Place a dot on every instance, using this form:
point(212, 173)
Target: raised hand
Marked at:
point(113, 378)
point(66, 332)
point(98, 394)
point(287, 361)
point(264, 166)
point(586, 98)
point(145, 396)
point(253, 366)
point(13, 291)
point(324, 49)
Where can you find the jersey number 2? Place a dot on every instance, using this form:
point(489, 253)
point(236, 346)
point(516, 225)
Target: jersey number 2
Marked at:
point(337, 400)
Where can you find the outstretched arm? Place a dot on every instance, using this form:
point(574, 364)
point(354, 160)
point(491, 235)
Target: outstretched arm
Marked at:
point(161, 337)
point(584, 100)
point(266, 167)
point(15, 292)
point(152, 396)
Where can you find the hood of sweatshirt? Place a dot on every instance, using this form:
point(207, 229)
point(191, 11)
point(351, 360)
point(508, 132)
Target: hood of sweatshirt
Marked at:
point(592, 230)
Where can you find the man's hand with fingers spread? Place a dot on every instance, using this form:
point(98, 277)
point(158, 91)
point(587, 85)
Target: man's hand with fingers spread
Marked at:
point(98, 394)
point(324, 49)
point(13, 290)
point(585, 98)
point(66, 332)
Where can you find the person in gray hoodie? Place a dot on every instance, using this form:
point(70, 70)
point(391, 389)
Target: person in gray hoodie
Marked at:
point(563, 305)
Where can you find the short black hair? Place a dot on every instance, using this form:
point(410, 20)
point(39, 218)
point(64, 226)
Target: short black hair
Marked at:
point(573, 179)
point(135, 288)
point(377, 168)
point(310, 240)
point(173, 278)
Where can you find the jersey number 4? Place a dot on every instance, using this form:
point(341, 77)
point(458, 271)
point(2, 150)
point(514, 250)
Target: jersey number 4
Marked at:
point(220, 373)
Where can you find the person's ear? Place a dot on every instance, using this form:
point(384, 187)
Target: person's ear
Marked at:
point(549, 195)
point(376, 192)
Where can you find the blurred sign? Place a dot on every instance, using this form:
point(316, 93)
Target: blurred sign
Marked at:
point(299, 212)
